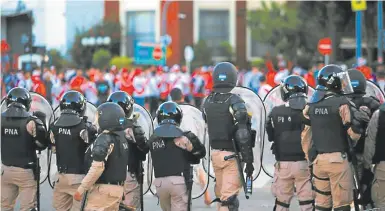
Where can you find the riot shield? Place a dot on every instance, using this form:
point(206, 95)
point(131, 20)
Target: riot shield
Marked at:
point(256, 109)
point(273, 99)
point(144, 119)
point(373, 90)
point(193, 121)
point(39, 103)
point(90, 114)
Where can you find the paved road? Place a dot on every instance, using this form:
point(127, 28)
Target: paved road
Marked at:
point(260, 200)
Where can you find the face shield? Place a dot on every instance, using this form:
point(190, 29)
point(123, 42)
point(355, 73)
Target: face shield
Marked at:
point(346, 85)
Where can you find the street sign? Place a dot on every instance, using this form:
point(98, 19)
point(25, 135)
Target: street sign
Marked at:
point(188, 53)
point(166, 40)
point(358, 5)
point(146, 53)
point(157, 53)
point(325, 46)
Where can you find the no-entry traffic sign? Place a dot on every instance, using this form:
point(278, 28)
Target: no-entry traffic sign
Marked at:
point(157, 53)
point(325, 46)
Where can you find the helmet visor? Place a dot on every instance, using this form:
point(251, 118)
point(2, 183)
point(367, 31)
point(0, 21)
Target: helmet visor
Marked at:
point(346, 85)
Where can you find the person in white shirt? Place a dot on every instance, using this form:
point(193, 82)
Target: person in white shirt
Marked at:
point(264, 87)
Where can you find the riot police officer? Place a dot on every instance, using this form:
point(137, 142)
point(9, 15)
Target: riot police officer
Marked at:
point(374, 154)
point(108, 160)
point(329, 127)
point(138, 149)
point(172, 153)
point(22, 134)
point(70, 135)
point(223, 112)
point(284, 127)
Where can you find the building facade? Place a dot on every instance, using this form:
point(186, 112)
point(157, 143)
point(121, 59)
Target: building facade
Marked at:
point(187, 22)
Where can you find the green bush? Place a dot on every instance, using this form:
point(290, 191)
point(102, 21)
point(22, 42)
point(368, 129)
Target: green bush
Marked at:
point(202, 54)
point(258, 62)
point(227, 51)
point(121, 62)
point(101, 58)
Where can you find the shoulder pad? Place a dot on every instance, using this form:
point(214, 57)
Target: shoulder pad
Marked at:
point(36, 120)
point(236, 99)
point(103, 139)
point(372, 102)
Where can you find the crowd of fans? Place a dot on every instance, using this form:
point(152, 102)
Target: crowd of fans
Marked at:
point(152, 85)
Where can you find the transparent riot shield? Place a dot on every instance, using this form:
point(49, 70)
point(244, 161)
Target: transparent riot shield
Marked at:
point(273, 99)
point(39, 103)
point(144, 119)
point(256, 109)
point(193, 121)
point(90, 114)
point(374, 90)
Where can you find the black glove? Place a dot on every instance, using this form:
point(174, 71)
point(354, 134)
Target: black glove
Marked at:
point(92, 132)
point(139, 135)
point(249, 169)
point(40, 115)
point(367, 177)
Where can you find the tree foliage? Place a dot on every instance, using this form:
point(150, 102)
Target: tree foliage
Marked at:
point(101, 59)
point(294, 28)
point(202, 54)
point(82, 55)
point(56, 59)
point(227, 51)
point(121, 62)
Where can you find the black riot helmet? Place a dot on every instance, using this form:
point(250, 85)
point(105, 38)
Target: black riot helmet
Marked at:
point(19, 96)
point(75, 101)
point(169, 113)
point(225, 77)
point(358, 82)
point(332, 78)
point(124, 100)
point(110, 116)
point(293, 86)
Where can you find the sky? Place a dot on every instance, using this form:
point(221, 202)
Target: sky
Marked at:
point(49, 17)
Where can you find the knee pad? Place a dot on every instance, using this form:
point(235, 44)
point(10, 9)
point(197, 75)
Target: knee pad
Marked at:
point(343, 208)
point(282, 204)
point(232, 203)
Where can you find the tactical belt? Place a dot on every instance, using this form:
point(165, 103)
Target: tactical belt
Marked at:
point(120, 183)
point(64, 170)
point(27, 166)
point(174, 174)
point(223, 149)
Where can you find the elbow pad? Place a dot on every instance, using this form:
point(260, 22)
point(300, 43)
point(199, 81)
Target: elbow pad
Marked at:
point(101, 147)
point(242, 137)
point(92, 132)
point(240, 113)
point(199, 150)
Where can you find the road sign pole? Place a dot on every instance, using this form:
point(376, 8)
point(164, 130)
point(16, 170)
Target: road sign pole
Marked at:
point(358, 34)
point(326, 60)
point(380, 35)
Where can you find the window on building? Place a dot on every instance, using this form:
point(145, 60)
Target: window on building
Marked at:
point(140, 28)
point(214, 28)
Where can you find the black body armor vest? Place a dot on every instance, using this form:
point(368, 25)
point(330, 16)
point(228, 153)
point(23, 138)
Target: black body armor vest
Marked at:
point(328, 132)
point(379, 154)
point(70, 148)
point(287, 133)
point(220, 121)
point(168, 159)
point(116, 166)
point(17, 145)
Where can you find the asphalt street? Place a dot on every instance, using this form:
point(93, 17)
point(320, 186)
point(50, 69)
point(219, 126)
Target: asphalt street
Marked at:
point(261, 199)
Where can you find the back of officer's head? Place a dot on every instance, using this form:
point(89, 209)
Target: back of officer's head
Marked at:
point(224, 77)
point(177, 95)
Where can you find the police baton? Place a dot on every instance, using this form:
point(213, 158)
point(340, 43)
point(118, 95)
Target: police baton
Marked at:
point(189, 186)
point(140, 181)
point(247, 187)
point(84, 201)
point(37, 172)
